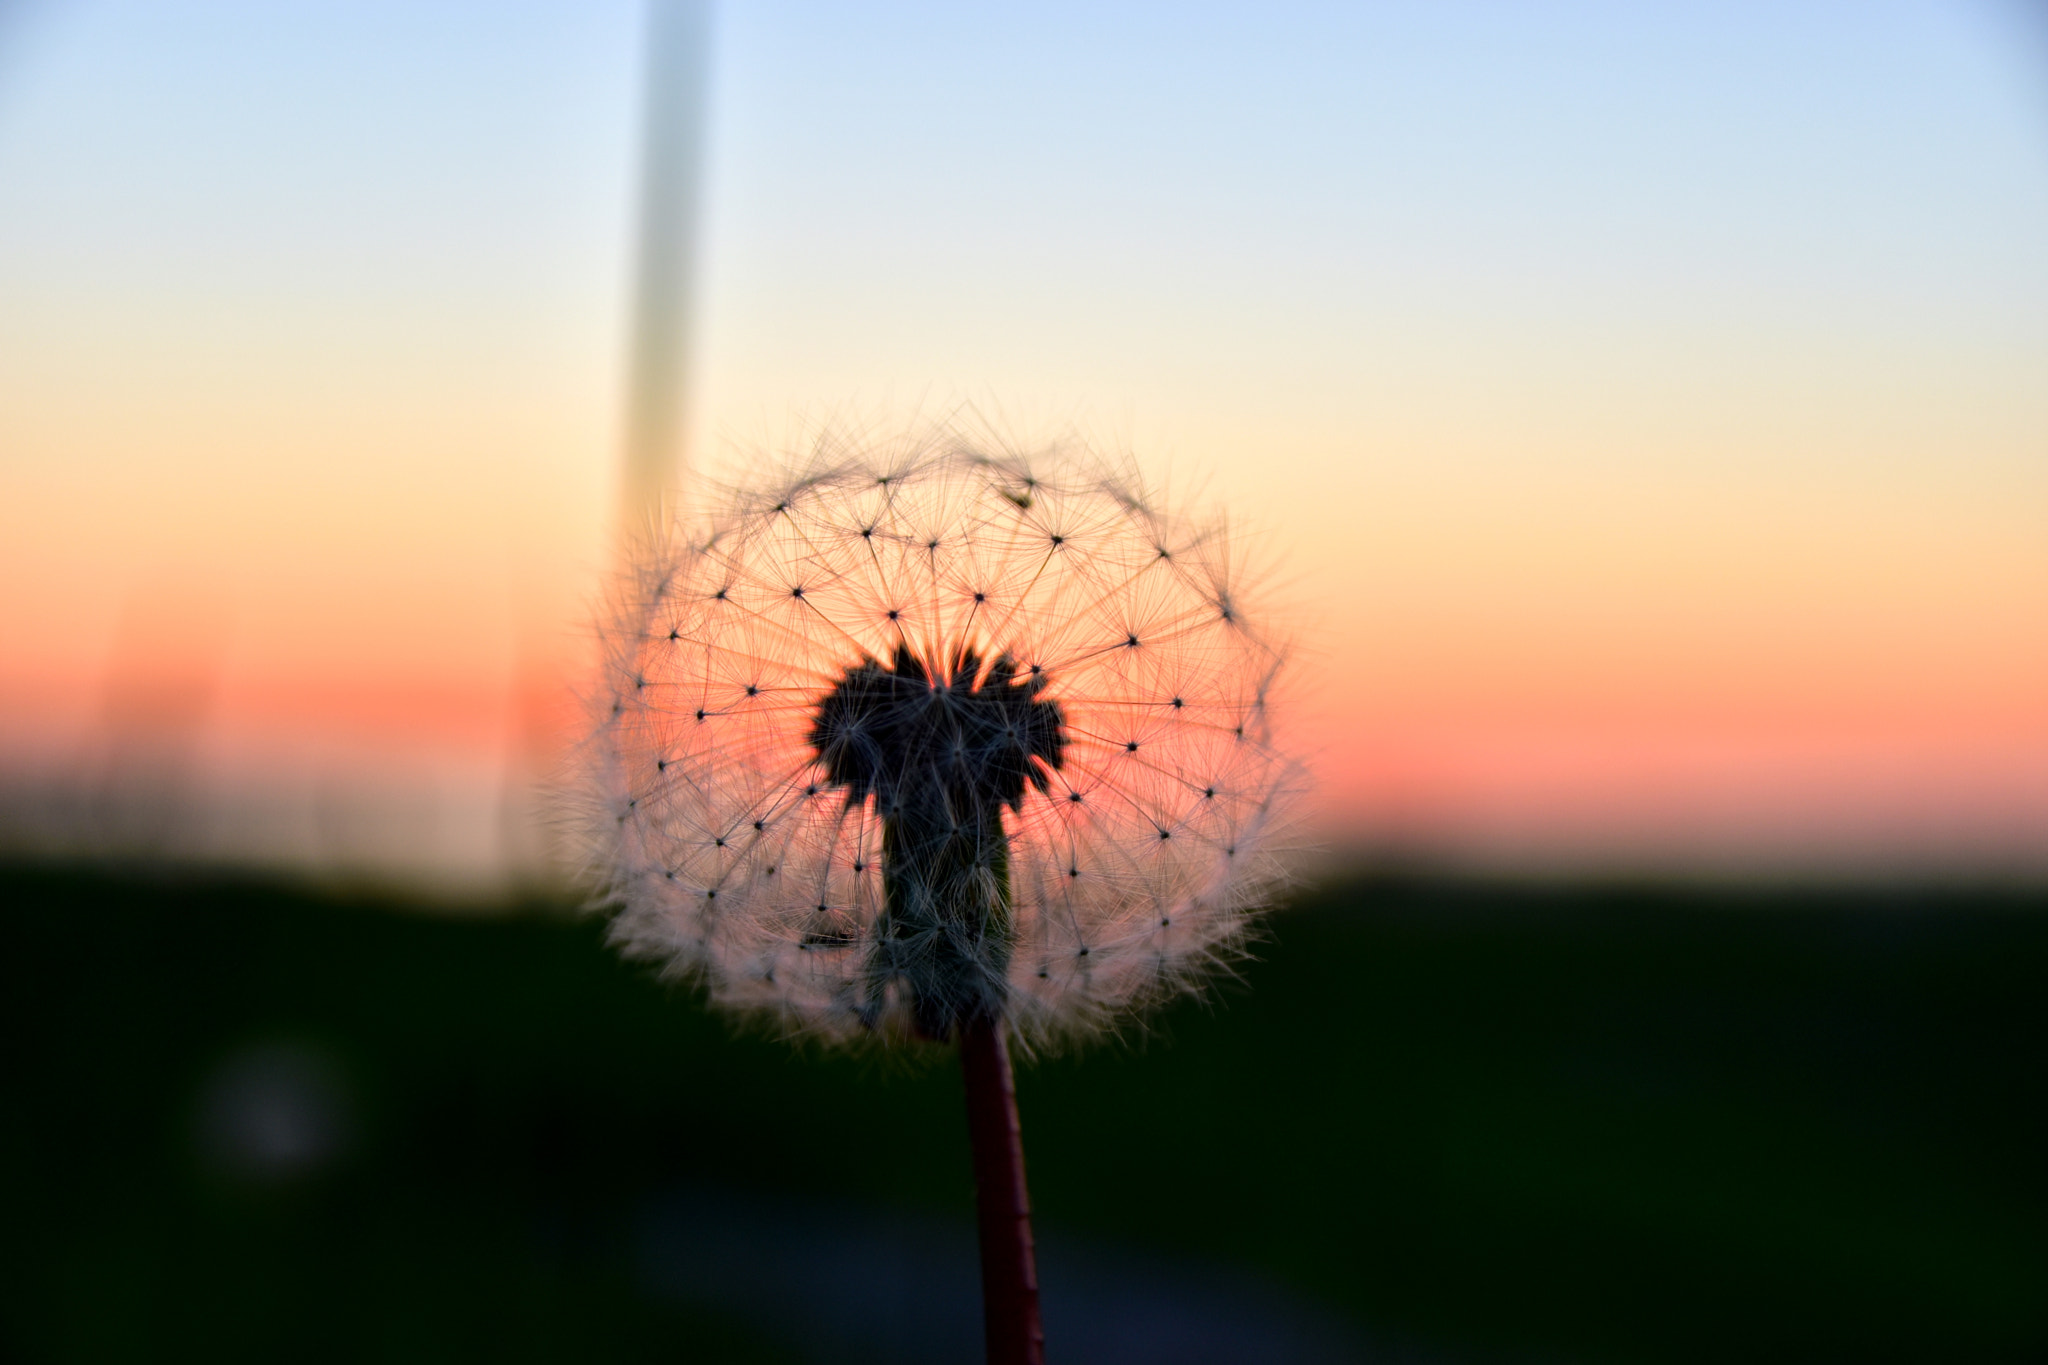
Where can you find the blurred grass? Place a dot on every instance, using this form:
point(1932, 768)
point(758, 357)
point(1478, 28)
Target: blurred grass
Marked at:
point(1490, 1121)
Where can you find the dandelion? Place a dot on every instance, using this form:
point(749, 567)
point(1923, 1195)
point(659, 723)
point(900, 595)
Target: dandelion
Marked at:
point(934, 743)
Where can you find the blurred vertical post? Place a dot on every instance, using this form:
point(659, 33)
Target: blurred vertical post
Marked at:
point(673, 80)
point(671, 161)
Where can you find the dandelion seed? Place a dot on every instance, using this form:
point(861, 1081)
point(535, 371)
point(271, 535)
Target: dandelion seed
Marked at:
point(888, 604)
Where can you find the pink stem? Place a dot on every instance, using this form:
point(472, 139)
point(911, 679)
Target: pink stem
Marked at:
point(1009, 1265)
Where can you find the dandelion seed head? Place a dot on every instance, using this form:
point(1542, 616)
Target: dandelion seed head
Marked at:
point(889, 685)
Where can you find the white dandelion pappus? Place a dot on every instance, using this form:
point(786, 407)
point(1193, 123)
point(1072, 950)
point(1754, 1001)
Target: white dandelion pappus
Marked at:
point(900, 683)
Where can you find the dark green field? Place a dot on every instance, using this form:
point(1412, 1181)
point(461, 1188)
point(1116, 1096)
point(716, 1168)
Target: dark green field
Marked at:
point(1473, 1122)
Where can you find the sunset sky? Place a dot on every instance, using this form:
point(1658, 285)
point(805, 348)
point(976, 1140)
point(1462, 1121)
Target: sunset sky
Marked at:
point(1645, 407)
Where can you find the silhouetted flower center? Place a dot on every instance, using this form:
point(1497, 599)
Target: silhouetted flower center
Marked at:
point(941, 755)
point(939, 747)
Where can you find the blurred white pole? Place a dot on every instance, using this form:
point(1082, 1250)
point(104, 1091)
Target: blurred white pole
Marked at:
point(671, 162)
point(656, 391)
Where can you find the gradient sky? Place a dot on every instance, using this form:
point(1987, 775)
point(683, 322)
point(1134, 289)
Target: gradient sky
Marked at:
point(1647, 406)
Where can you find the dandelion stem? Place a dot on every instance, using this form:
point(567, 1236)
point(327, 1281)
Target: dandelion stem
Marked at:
point(1009, 1264)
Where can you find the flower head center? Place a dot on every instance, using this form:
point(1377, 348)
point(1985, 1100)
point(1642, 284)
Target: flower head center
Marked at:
point(953, 741)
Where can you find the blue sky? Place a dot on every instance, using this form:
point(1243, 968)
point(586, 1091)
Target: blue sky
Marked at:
point(1661, 389)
